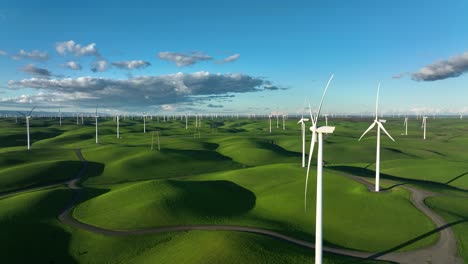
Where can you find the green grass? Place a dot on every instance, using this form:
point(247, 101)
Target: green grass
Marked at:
point(455, 211)
point(268, 197)
point(21, 169)
point(235, 173)
point(31, 233)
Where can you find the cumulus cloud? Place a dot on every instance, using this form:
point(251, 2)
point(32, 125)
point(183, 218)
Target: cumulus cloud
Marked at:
point(453, 67)
point(184, 59)
point(214, 106)
point(33, 70)
point(99, 66)
point(229, 59)
point(73, 65)
point(130, 65)
point(33, 55)
point(142, 91)
point(269, 86)
point(3, 53)
point(70, 46)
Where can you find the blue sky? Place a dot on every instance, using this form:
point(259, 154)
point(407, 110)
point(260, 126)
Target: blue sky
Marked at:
point(280, 53)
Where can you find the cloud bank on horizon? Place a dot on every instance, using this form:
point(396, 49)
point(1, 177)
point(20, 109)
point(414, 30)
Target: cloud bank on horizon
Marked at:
point(144, 91)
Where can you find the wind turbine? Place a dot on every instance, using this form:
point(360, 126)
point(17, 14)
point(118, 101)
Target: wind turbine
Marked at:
point(60, 116)
point(284, 125)
point(96, 118)
point(406, 126)
point(28, 116)
point(379, 126)
point(424, 125)
point(118, 126)
point(302, 122)
point(144, 122)
point(269, 116)
point(318, 213)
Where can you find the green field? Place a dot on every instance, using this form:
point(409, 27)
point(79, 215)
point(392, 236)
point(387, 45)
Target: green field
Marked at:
point(229, 172)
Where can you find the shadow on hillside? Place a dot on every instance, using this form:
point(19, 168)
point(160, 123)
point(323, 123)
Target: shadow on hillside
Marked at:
point(271, 145)
point(416, 239)
point(33, 235)
point(93, 169)
point(457, 177)
point(196, 154)
point(364, 172)
point(212, 198)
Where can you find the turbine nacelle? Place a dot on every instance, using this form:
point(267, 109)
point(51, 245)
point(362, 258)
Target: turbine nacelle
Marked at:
point(325, 130)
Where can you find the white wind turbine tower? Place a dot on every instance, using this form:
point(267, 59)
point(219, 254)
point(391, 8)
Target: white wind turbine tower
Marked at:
point(28, 116)
point(284, 125)
point(144, 122)
point(461, 116)
point(326, 119)
point(379, 127)
point(302, 122)
point(406, 126)
point(96, 118)
point(60, 116)
point(269, 116)
point(118, 125)
point(424, 121)
point(318, 214)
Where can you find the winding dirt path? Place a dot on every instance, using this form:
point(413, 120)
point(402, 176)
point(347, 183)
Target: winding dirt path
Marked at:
point(443, 252)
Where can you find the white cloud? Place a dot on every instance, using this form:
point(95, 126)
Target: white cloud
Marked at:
point(130, 65)
point(142, 91)
point(3, 53)
point(73, 65)
point(31, 69)
point(33, 55)
point(70, 46)
point(231, 58)
point(184, 59)
point(99, 66)
point(453, 67)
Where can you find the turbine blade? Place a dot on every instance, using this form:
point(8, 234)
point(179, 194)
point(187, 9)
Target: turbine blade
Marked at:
point(311, 116)
point(323, 96)
point(377, 102)
point(382, 127)
point(368, 129)
point(311, 151)
point(31, 110)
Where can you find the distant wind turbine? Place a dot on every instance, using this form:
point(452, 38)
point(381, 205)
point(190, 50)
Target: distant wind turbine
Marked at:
point(424, 121)
point(302, 122)
point(406, 126)
point(379, 126)
point(28, 116)
point(96, 119)
point(118, 126)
